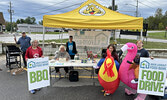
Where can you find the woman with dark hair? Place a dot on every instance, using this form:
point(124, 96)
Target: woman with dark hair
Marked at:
point(112, 49)
point(114, 54)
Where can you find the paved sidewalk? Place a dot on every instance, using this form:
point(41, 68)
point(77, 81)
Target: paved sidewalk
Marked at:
point(16, 88)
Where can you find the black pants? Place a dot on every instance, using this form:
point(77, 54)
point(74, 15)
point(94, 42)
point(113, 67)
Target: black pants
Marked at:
point(65, 69)
point(24, 61)
point(72, 56)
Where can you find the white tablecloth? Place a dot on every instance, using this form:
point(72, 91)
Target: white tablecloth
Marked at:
point(74, 63)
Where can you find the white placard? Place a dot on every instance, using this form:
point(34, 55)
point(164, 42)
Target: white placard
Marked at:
point(91, 38)
point(38, 73)
point(152, 76)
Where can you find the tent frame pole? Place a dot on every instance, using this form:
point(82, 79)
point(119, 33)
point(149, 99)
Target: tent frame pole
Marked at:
point(43, 39)
point(141, 34)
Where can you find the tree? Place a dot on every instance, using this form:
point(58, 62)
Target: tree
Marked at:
point(18, 21)
point(161, 26)
point(8, 26)
point(30, 20)
point(158, 13)
point(22, 21)
point(116, 7)
point(40, 22)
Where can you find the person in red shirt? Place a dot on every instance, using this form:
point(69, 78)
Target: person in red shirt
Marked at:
point(33, 51)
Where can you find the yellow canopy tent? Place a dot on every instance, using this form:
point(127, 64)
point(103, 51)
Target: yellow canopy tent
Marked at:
point(92, 15)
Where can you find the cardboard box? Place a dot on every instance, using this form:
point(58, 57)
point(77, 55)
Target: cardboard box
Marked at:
point(16, 71)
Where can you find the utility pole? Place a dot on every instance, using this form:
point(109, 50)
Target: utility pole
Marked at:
point(137, 8)
point(114, 33)
point(113, 5)
point(10, 12)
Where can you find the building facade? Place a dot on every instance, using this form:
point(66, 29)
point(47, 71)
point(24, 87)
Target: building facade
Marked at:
point(35, 28)
point(2, 23)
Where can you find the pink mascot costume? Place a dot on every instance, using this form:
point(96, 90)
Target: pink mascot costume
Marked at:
point(127, 75)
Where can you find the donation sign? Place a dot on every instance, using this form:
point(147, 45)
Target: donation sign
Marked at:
point(38, 73)
point(91, 38)
point(152, 76)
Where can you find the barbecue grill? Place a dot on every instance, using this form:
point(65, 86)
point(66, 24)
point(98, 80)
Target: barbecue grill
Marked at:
point(13, 56)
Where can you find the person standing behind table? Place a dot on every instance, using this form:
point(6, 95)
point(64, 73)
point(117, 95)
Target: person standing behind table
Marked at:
point(34, 51)
point(24, 42)
point(71, 47)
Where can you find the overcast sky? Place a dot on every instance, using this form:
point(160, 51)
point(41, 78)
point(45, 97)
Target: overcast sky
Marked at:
point(38, 8)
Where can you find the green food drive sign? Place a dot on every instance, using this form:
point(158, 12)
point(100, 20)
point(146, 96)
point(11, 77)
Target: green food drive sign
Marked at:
point(38, 73)
point(152, 76)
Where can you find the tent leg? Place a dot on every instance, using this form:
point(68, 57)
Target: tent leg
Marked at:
point(61, 36)
point(141, 35)
point(43, 39)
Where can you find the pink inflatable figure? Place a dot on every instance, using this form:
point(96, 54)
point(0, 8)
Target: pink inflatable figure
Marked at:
point(127, 75)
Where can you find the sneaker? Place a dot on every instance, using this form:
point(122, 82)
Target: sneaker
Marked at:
point(38, 89)
point(130, 92)
point(140, 97)
point(32, 91)
point(135, 81)
point(0, 69)
point(107, 93)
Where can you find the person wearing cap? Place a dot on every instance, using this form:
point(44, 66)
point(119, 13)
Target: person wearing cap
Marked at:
point(24, 42)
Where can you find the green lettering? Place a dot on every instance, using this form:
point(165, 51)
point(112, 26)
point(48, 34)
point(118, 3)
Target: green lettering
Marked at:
point(161, 87)
point(154, 76)
point(156, 87)
point(141, 85)
point(149, 75)
point(160, 76)
point(152, 84)
point(45, 74)
point(143, 74)
point(39, 76)
point(147, 85)
point(32, 77)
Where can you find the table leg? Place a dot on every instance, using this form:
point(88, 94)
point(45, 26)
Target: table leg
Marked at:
point(93, 76)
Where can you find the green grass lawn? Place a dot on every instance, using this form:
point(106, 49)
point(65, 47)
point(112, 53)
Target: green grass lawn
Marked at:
point(57, 41)
point(45, 32)
point(158, 35)
point(148, 45)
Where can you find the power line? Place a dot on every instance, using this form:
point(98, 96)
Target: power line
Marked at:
point(52, 5)
point(58, 9)
point(151, 2)
point(145, 5)
point(42, 7)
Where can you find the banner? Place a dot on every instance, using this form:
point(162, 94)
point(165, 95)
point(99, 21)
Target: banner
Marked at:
point(91, 38)
point(38, 73)
point(152, 76)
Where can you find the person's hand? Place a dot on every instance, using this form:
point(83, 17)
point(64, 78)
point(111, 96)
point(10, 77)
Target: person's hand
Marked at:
point(57, 59)
point(66, 59)
point(42, 56)
point(152, 58)
point(15, 38)
point(26, 59)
